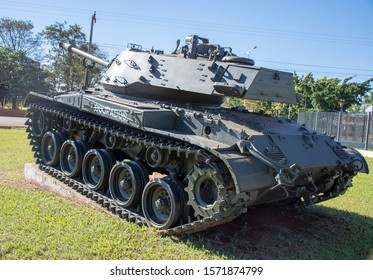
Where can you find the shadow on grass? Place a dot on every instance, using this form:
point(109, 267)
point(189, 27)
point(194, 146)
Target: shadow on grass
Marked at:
point(315, 232)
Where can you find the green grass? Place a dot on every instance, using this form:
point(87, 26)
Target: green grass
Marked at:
point(37, 224)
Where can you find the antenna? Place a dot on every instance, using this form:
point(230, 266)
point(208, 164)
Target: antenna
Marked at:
point(248, 53)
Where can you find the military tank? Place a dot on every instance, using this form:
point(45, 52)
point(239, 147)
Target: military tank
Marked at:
point(155, 145)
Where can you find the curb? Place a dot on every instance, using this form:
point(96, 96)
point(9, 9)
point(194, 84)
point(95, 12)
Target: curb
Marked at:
point(12, 122)
point(33, 174)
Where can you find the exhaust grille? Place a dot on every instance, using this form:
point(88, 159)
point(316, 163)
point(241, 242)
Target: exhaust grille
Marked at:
point(276, 155)
point(340, 153)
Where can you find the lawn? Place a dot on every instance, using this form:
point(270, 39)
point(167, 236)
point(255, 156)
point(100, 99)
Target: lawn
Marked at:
point(39, 224)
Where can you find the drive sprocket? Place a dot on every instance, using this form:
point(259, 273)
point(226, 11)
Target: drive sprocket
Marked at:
point(207, 193)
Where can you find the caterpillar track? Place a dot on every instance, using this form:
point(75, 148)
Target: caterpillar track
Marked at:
point(57, 116)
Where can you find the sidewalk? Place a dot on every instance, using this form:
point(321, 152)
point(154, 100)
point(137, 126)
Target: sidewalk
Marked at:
point(366, 153)
point(9, 122)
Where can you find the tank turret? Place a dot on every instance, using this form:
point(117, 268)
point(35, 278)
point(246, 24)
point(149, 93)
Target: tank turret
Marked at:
point(156, 147)
point(196, 73)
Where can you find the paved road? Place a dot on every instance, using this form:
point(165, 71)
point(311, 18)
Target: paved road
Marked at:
point(12, 122)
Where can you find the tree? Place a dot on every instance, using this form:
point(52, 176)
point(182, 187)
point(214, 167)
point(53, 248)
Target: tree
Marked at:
point(17, 35)
point(303, 86)
point(336, 95)
point(20, 74)
point(325, 94)
point(67, 70)
point(368, 101)
point(3, 93)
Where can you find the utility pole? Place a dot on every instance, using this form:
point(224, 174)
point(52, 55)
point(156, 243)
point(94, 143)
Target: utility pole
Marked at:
point(93, 21)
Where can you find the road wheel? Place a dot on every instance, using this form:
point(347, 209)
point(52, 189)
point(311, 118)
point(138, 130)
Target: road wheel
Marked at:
point(50, 147)
point(126, 183)
point(162, 202)
point(71, 157)
point(96, 167)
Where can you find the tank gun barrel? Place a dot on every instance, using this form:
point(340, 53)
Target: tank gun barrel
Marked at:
point(91, 57)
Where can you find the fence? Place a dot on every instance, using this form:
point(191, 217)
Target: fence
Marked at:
point(353, 129)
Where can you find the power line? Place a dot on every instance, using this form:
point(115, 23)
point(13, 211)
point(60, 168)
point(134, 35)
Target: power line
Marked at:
point(172, 22)
point(177, 23)
point(317, 66)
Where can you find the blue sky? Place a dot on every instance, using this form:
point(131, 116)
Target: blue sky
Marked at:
point(327, 37)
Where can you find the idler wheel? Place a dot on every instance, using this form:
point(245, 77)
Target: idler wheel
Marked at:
point(155, 157)
point(162, 202)
point(50, 147)
point(71, 157)
point(206, 191)
point(41, 122)
point(126, 183)
point(96, 167)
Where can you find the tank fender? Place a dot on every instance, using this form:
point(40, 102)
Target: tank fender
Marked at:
point(358, 162)
point(248, 172)
point(32, 97)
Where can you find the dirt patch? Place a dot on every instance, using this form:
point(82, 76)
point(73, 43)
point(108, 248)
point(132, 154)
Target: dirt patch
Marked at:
point(259, 223)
